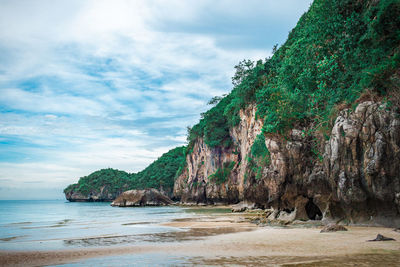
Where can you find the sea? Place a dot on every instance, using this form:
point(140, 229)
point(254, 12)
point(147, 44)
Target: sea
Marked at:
point(58, 224)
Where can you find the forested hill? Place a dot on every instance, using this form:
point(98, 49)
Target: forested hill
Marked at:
point(107, 184)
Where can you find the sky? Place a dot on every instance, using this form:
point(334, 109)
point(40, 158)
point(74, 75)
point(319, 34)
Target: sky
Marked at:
point(86, 85)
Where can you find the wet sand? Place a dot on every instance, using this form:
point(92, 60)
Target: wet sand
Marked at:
point(228, 239)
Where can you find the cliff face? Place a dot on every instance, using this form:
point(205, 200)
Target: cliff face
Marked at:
point(362, 161)
point(353, 176)
point(196, 184)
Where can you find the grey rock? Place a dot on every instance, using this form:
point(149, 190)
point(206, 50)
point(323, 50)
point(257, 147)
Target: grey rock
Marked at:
point(242, 206)
point(147, 197)
point(380, 237)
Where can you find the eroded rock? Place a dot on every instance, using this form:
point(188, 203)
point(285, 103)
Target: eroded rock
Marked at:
point(147, 197)
point(380, 237)
point(286, 216)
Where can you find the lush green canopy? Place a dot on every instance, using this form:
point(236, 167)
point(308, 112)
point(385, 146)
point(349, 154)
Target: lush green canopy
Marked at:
point(338, 50)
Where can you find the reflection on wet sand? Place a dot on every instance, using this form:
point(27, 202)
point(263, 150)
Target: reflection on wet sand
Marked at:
point(190, 234)
point(382, 259)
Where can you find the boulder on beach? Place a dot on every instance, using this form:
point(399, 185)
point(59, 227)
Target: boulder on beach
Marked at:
point(333, 228)
point(242, 206)
point(380, 237)
point(146, 197)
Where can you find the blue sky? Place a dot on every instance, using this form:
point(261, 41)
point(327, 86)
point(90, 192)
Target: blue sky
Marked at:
point(86, 85)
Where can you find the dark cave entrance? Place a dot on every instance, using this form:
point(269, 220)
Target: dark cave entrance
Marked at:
point(312, 210)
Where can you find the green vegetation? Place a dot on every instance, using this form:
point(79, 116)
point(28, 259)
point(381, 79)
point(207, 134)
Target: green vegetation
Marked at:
point(213, 126)
point(259, 151)
point(259, 156)
point(221, 174)
point(338, 50)
point(161, 173)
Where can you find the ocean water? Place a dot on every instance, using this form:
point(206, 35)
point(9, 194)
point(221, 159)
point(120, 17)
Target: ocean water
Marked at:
point(144, 259)
point(58, 224)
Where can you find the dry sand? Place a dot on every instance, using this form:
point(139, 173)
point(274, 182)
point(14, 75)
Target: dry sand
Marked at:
point(228, 240)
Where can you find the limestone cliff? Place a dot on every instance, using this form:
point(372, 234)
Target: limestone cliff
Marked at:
point(195, 184)
point(362, 162)
point(353, 176)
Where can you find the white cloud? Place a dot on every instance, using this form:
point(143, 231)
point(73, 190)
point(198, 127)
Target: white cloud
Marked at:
point(93, 84)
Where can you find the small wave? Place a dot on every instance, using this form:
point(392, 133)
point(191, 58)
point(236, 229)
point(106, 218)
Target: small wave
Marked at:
point(20, 223)
point(11, 238)
point(58, 224)
point(62, 223)
point(137, 223)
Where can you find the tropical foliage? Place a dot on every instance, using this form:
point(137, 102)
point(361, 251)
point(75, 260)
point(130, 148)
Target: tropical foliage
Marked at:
point(338, 50)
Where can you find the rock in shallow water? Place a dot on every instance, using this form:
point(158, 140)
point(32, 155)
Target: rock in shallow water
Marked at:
point(146, 197)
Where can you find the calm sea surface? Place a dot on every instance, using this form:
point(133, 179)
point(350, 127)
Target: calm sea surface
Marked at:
point(58, 224)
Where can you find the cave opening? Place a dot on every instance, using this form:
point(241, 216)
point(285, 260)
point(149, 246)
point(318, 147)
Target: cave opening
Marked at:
point(312, 210)
point(288, 210)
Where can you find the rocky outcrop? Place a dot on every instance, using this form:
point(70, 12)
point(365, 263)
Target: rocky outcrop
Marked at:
point(146, 197)
point(103, 195)
point(354, 176)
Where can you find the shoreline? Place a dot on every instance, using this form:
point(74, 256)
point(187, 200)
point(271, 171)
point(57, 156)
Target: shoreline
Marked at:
point(230, 239)
point(284, 246)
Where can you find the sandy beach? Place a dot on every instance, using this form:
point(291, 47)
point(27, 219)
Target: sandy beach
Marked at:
point(229, 239)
